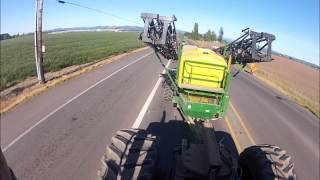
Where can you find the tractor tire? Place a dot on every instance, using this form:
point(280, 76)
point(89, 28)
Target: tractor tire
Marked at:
point(132, 154)
point(167, 91)
point(266, 162)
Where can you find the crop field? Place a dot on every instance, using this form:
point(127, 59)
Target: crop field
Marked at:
point(62, 50)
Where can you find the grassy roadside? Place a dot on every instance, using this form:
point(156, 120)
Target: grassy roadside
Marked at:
point(311, 105)
point(62, 50)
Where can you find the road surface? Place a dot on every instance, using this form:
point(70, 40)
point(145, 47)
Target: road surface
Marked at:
point(62, 133)
point(274, 119)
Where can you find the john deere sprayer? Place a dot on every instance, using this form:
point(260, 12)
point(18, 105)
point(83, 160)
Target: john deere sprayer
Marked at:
point(199, 81)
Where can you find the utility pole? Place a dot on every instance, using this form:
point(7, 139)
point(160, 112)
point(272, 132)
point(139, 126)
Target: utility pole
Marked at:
point(38, 42)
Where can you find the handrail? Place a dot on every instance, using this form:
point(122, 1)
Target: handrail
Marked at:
point(213, 67)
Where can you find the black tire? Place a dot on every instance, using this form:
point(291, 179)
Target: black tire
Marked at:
point(167, 90)
point(132, 154)
point(266, 162)
point(167, 94)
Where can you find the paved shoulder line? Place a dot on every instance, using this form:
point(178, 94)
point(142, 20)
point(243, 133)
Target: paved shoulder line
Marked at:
point(146, 105)
point(242, 124)
point(239, 141)
point(233, 134)
point(69, 101)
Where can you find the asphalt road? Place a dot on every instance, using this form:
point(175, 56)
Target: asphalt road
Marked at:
point(272, 118)
point(62, 133)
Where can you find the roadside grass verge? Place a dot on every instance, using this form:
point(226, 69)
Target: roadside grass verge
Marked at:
point(62, 50)
point(311, 104)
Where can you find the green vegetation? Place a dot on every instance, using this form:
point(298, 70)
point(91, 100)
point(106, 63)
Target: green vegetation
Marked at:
point(5, 36)
point(194, 35)
point(62, 50)
point(220, 37)
point(210, 35)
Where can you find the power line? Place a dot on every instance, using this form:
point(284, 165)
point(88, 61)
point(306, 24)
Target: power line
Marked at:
point(97, 10)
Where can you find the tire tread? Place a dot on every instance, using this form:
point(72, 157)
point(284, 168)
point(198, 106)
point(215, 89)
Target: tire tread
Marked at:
point(131, 155)
point(258, 159)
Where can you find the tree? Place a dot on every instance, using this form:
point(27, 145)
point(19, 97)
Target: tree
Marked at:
point(195, 32)
point(220, 34)
point(5, 36)
point(208, 36)
point(213, 35)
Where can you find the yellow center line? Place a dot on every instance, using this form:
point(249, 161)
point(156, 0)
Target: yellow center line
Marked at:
point(233, 135)
point(242, 124)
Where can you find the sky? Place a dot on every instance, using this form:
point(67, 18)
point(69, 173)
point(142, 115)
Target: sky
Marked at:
point(295, 23)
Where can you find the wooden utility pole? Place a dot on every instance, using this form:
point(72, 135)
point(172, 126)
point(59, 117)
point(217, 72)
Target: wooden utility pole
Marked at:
point(38, 41)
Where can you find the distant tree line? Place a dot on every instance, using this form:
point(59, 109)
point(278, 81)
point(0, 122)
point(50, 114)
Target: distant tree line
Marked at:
point(210, 35)
point(8, 36)
point(5, 36)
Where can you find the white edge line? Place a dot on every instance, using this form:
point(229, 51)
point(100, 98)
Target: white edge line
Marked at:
point(69, 101)
point(146, 105)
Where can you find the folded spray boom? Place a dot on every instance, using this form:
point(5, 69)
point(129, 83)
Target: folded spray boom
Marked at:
point(160, 32)
point(250, 47)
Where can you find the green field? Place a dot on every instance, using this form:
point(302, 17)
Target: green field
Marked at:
point(62, 50)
